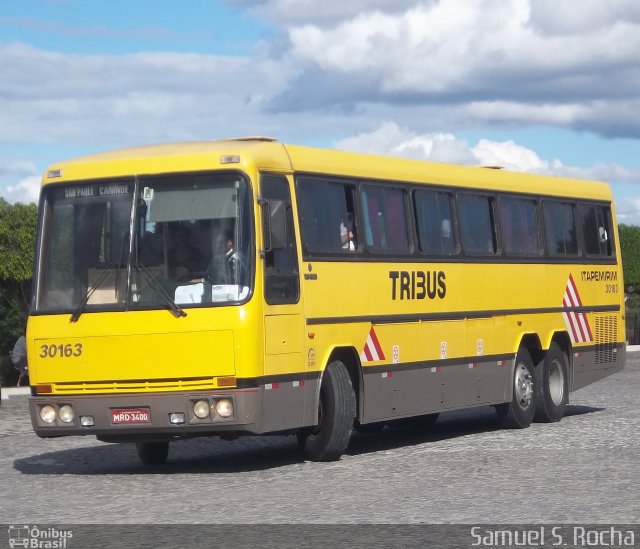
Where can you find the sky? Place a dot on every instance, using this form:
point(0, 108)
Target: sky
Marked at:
point(543, 86)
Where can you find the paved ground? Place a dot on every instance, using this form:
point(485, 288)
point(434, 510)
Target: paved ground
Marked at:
point(584, 469)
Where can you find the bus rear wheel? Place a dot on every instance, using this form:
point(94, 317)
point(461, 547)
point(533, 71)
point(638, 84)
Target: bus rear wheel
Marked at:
point(552, 384)
point(153, 453)
point(336, 412)
point(519, 413)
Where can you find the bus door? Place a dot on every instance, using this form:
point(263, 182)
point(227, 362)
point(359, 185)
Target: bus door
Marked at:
point(284, 367)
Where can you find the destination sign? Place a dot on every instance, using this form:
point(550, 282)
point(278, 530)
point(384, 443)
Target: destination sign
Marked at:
point(91, 191)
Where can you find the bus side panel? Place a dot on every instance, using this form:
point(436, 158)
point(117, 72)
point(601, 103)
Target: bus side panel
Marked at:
point(452, 376)
point(283, 402)
point(592, 365)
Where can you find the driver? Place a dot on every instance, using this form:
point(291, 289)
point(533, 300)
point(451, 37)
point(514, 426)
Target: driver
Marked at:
point(184, 257)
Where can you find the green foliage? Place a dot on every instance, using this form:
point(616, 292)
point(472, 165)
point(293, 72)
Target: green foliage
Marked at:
point(17, 245)
point(11, 324)
point(630, 246)
point(17, 237)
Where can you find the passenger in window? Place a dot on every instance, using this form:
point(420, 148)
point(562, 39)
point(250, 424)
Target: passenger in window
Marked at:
point(184, 258)
point(445, 229)
point(446, 236)
point(347, 234)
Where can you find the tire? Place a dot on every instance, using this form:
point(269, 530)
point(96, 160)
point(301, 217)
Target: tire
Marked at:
point(153, 453)
point(552, 383)
point(337, 410)
point(518, 414)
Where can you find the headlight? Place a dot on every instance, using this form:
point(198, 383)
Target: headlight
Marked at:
point(224, 407)
point(65, 413)
point(201, 409)
point(48, 414)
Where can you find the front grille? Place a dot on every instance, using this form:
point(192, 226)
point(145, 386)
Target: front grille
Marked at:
point(606, 335)
point(135, 386)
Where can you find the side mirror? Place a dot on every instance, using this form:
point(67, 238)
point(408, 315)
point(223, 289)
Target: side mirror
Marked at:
point(274, 224)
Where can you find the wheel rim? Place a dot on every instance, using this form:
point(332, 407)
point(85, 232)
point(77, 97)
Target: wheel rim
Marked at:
point(556, 382)
point(523, 382)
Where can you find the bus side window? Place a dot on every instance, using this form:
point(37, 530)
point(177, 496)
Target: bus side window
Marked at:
point(281, 280)
point(434, 214)
point(519, 227)
point(327, 219)
point(385, 223)
point(596, 230)
point(477, 224)
point(560, 228)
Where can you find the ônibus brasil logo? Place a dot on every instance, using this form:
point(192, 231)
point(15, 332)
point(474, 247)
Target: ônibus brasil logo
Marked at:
point(36, 537)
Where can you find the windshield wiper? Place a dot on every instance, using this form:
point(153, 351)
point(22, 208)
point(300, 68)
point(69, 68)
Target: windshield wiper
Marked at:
point(80, 309)
point(157, 285)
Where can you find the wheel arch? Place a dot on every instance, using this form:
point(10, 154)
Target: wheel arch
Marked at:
point(531, 342)
point(563, 340)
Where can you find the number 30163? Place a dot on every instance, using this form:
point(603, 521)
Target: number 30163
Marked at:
point(61, 350)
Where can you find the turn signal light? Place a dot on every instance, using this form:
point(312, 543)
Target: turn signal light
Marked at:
point(227, 381)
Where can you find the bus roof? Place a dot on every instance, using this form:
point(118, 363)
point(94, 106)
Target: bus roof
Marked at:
point(264, 153)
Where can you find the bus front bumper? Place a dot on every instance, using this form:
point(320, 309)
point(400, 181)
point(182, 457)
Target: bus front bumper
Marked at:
point(147, 415)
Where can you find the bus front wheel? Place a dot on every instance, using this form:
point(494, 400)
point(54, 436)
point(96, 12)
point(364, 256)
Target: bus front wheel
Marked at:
point(552, 384)
point(519, 413)
point(153, 453)
point(328, 440)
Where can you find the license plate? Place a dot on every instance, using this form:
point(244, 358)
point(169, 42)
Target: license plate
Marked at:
point(130, 416)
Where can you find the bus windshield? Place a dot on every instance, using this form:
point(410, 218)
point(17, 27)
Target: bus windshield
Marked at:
point(162, 242)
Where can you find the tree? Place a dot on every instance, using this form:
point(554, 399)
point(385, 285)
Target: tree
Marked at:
point(17, 246)
point(630, 247)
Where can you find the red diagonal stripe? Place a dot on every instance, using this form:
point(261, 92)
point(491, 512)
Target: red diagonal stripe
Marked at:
point(583, 336)
point(367, 352)
point(574, 332)
point(584, 324)
point(376, 344)
point(575, 289)
point(569, 297)
point(581, 317)
point(586, 321)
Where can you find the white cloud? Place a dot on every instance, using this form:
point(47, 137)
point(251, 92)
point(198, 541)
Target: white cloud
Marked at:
point(502, 61)
point(19, 180)
point(26, 190)
point(628, 211)
point(562, 17)
point(459, 45)
point(390, 139)
point(393, 140)
point(318, 12)
point(434, 67)
point(103, 99)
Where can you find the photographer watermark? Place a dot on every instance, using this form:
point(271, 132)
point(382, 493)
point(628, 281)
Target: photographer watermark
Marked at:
point(37, 537)
point(553, 536)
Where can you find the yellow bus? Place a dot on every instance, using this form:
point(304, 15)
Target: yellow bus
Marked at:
point(246, 286)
